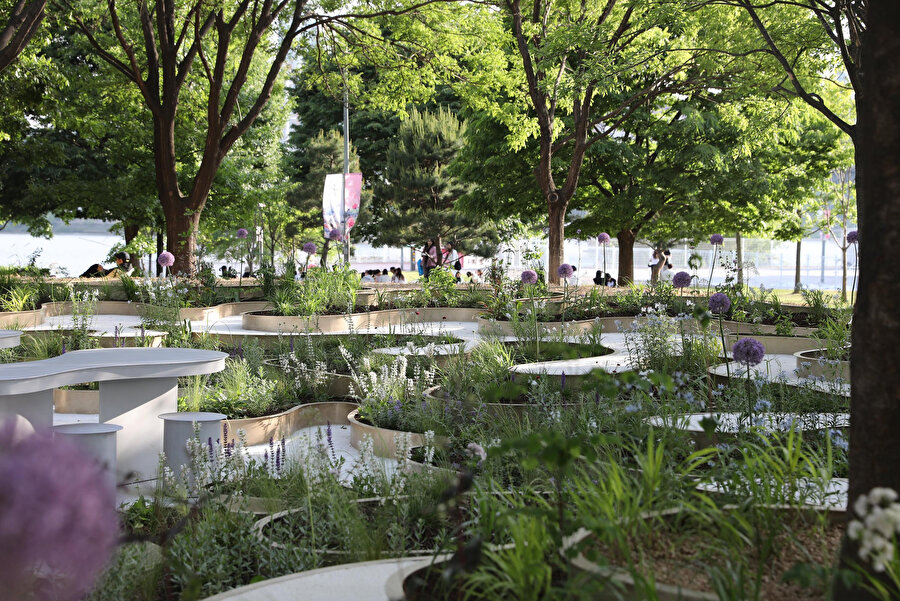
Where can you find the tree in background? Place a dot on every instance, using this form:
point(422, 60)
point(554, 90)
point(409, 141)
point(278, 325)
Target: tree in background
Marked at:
point(420, 193)
point(306, 168)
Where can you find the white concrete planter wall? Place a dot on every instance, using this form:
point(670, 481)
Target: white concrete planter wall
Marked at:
point(260, 429)
point(330, 324)
point(808, 365)
point(382, 438)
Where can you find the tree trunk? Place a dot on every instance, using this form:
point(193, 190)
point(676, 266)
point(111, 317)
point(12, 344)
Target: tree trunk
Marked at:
point(844, 271)
point(556, 238)
point(160, 246)
point(797, 284)
point(324, 262)
point(740, 259)
point(875, 354)
point(181, 234)
point(131, 232)
point(626, 240)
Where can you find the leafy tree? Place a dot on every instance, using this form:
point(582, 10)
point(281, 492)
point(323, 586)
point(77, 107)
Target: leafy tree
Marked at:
point(307, 168)
point(421, 193)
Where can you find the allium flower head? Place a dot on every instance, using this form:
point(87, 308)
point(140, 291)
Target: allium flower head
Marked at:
point(58, 518)
point(682, 279)
point(310, 248)
point(716, 239)
point(853, 237)
point(603, 238)
point(242, 233)
point(529, 276)
point(719, 303)
point(334, 234)
point(166, 259)
point(748, 351)
point(565, 270)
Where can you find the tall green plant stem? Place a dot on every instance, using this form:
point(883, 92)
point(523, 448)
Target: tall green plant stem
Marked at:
point(712, 267)
point(724, 350)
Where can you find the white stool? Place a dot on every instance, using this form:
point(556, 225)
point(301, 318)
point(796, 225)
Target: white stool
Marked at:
point(178, 428)
point(97, 441)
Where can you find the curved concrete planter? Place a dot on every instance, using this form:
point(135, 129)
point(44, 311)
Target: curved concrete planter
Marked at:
point(667, 592)
point(571, 328)
point(383, 439)
point(356, 321)
point(260, 429)
point(500, 410)
point(776, 345)
point(808, 366)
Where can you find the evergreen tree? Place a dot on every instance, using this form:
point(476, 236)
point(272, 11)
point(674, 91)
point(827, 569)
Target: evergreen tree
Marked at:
point(420, 193)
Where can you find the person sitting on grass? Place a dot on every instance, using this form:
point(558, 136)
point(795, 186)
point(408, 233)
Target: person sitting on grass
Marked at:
point(123, 267)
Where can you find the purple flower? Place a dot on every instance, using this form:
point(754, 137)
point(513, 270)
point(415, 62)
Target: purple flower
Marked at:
point(529, 276)
point(565, 271)
point(682, 279)
point(310, 248)
point(716, 239)
point(603, 238)
point(853, 237)
point(335, 234)
point(242, 233)
point(719, 303)
point(166, 259)
point(57, 516)
point(748, 351)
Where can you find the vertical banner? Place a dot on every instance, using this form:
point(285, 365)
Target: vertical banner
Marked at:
point(332, 218)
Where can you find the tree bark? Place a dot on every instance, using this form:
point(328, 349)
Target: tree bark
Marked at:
point(160, 246)
point(798, 286)
point(875, 352)
point(181, 235)
point(24, 20)
point(556, 238)
point(626, 240)
point(131, 232)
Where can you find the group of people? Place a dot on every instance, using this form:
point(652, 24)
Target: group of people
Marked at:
point(665, 270)
point(429, 259)
point(122, 267)
point(383, 277)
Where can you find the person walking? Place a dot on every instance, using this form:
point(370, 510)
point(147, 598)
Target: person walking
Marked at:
point(429, 257)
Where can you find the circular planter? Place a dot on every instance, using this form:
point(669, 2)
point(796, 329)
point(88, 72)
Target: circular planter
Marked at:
point(259, 430)
point(355, 321)
point(776, 345)
point(383, 438)
point(501, 410)
point(664, 591)
point(492, 327)
point(813, 364)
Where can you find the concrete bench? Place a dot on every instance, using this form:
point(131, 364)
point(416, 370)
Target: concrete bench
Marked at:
point(136, 386)
point(10, 338)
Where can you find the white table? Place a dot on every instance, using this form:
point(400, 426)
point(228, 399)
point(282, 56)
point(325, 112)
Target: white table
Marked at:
point(136, 386)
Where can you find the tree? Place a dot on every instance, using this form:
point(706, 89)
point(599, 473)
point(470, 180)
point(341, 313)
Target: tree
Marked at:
point(420, 193)
point(23, 20)
point(307, 168)
point(840, 214)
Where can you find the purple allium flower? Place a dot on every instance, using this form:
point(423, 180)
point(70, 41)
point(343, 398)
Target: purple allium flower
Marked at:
point(166, 259)
point(603, 238)
point(242, 233)
point(719, 303)
point(716, 239)
point(310, 248)
point(853, 237)
point(335, 234)
point(57, 517)
point(682, 279)
point(565, 271)
point(529, 276)
point(748, 351)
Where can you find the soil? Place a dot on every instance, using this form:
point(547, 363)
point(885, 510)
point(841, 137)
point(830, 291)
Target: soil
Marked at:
point(683, 560)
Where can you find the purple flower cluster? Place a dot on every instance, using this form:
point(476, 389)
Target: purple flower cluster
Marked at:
point(166, 259)
point(242, 233)
point(716, 239)
point(57, 517)
point(310, 248)
point(565, 271)
point(682, 279)
point(603, 238)
point(529, 277)
point(335, 234)
point(719, 303)
point(748, 351)
point(853, 237)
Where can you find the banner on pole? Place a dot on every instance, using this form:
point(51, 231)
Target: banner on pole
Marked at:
point(332, 217)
